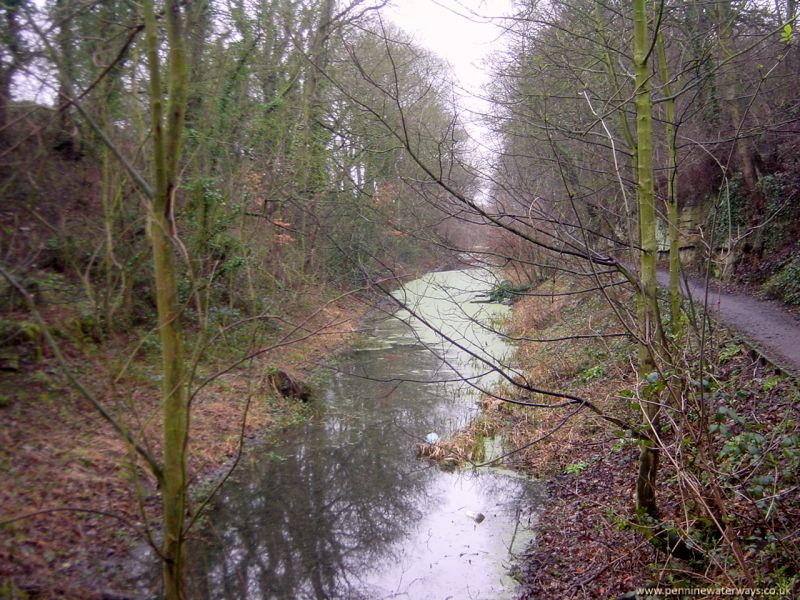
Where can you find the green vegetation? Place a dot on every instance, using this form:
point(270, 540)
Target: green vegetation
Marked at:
point(208, 180)
point(750, 435)
point(785, 283)
point(197, 192)
point(575, 468)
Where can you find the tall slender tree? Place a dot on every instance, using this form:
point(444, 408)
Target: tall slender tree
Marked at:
point(166, 145)
point(648, 308)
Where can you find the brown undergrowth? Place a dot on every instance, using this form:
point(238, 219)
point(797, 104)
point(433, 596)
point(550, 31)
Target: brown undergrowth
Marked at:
point(74, 500)
point(587, 545)
point(581, 550)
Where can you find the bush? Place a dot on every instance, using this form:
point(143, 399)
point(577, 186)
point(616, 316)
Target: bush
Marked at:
point(784, 285)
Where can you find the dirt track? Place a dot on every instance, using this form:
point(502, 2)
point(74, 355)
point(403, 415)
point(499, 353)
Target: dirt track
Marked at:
point(764, 324)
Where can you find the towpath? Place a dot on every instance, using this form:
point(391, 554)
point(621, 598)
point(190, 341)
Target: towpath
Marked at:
point(765, 324)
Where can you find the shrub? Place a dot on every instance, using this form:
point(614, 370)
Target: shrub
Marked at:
point(784, 285)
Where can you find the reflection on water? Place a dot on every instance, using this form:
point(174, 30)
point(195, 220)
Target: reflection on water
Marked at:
point(341, 508)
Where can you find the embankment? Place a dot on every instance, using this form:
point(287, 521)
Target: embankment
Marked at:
point(736, 465)
point(74, 499)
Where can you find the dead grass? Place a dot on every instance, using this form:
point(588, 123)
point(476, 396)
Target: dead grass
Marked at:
point(467, 445)
point(581, 551)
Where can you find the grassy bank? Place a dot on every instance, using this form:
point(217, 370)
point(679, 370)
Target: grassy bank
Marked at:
point(75, 499)
point(589, 544)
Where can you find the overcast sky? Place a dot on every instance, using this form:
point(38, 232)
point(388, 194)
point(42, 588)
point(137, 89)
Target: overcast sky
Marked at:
point(462, 32)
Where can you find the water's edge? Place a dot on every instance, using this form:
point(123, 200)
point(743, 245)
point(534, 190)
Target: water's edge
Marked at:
point(339, 507)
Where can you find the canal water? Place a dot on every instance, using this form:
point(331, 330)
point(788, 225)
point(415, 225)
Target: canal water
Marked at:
point(341, 507)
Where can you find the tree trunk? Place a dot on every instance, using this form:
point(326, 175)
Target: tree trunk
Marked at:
point(673, 218)
point(13, 42)
point(175, 405)
point(648, 313)
point(5, 98)
point(312, 151)
point(744, 149)
point(617, 96)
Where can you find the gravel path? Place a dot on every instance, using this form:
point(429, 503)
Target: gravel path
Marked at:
point(765, 324)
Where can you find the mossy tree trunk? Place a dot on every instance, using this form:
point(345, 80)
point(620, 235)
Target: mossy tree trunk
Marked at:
point(673, 218)
point(166, 132)
point(648, 312)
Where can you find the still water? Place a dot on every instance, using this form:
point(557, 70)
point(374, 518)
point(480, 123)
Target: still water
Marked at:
point(341, 508)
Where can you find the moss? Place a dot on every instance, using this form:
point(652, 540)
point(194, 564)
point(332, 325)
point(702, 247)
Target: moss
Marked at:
point(9, 590)
point(506, 292)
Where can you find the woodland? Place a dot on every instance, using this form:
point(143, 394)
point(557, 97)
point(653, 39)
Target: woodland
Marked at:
point(200, 199)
